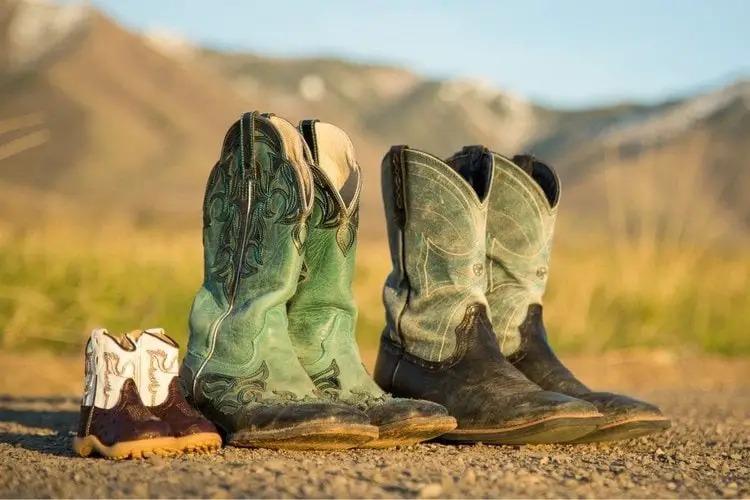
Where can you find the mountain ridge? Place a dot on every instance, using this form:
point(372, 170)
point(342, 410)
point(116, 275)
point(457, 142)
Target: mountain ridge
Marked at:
point(132, 124)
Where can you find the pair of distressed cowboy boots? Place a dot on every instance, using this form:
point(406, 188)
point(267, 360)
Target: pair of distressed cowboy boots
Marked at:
point(132, 404)
point(272, 358)
point(470, 240)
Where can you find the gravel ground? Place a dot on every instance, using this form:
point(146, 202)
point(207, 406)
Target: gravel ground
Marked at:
point(705, 454)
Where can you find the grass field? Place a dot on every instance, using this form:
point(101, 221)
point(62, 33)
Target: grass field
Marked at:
point(58, 282)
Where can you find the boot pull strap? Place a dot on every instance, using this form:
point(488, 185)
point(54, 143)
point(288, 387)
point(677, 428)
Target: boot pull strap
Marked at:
point(307, 129)
point(247, 144)
point(526, 162)
point(398, 178)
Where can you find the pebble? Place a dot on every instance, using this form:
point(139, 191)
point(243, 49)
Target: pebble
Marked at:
point(431, 491)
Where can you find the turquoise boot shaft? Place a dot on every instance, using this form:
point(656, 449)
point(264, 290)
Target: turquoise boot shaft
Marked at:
point(520, 228)
point(323, 313)
point(438, 343)
point(241, 370)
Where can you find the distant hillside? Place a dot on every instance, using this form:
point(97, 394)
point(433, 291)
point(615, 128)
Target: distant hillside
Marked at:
point(96, 118)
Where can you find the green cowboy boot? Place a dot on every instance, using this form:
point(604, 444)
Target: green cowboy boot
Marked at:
point(241, 370)
point(520, 226)
point(323, 314)
point(438, 343)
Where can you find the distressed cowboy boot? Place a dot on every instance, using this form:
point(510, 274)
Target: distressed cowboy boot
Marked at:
point(159, 386)
point(438, 343)
point(241, 370)
point(114, 423)
point(522, 211)
point(323, 314)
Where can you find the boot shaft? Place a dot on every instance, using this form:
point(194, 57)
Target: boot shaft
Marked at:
point(436, 230)
point(157, 364)
point(258, 199)
point(109, 364)
point(520, 230)
point(323, 311)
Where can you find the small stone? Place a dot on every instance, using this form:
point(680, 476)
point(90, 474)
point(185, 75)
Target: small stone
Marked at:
point(712, 463)
point(617, 466)
point(544, 461)
point(671, 486)
point(469, 477)
point(431, 491)
point(275, 465)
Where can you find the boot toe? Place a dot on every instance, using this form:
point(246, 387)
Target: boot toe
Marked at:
point(275, 417)
point(400, 409)
point(624, 418)
point(148, 429)
point(544, 405)
point(321, 425)
point(618, 408)
point(193, 426)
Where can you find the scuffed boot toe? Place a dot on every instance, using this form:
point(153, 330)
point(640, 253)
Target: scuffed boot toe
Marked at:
point(528, 418)
point(623, 418)
point(403, 422)
point(304, 426)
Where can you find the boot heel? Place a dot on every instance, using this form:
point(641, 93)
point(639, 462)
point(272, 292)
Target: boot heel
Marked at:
point(385, 366)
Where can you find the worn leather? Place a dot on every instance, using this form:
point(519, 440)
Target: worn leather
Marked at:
point(241, 370)
point(181, 417)
point(436, 230)
point(323, 313)
point(520, 228)
point(127, 420)
point(480, 388)
point(523, 205)
point(438, 343)
point(536, 359)
point(159, 384)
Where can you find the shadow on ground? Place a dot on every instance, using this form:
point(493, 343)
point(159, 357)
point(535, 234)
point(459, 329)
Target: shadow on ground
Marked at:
point(41, 424)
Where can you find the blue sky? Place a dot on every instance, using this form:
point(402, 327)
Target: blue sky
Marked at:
point(563, 52)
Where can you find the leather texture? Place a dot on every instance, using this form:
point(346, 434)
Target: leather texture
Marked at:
point(323, 312)
point(111, 408)
point(183, 419)
point(536, 359)
point(158, 363)
point(435, 221)
point(520, 229)
point(523, 207)
point(438, 343)
point(241, 370)
point(159, 384)
point(110, 362)
point(481, 388)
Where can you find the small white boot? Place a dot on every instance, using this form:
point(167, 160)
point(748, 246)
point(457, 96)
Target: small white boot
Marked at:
point(159, 386)
point(114, 422)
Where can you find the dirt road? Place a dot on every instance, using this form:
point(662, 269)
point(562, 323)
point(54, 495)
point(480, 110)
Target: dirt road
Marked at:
point(705, 454)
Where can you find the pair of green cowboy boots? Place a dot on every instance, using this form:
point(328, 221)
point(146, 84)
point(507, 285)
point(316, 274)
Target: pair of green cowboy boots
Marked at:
point(272, 357)
point(470, 241)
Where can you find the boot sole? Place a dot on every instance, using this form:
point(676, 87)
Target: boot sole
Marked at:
point(625, 429)
point(411, 431)
point(205, 442)
point(144, 448)
point(312, 436)
point(554, 429)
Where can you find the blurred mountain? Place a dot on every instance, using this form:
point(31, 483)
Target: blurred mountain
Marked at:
point(108, 123)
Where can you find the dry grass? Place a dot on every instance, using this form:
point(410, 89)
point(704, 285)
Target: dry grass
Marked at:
point(59, 282)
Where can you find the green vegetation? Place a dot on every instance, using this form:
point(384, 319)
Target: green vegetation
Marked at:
point(57, 283)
